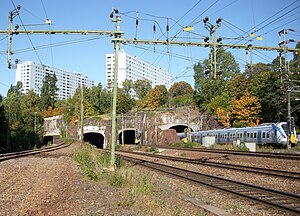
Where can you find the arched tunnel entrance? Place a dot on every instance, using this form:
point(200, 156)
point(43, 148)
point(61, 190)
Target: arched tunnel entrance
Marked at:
point(47, 139)
point(96, 139)
point(180, 128)
point(129, 136)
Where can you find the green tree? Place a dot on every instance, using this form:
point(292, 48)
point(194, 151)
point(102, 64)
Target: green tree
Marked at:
point(48, 91)
point(3, 127)
point(207, 88)
point(141, 88)
point(128, 86)
point(124, 102)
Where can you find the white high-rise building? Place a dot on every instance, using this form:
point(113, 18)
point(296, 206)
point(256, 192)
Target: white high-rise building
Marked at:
point(133, 68)
point(32, 75)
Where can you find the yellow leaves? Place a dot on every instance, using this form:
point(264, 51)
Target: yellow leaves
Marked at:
point(246, 110)
point(223, 116)
point(152, 100)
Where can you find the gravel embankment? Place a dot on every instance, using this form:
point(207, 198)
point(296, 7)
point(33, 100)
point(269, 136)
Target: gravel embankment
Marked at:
point(228, 202)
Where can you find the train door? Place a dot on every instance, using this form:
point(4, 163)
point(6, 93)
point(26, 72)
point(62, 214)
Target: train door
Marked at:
point(245, 136)
point(219, 137)
point(228, 137)
point(259, 137)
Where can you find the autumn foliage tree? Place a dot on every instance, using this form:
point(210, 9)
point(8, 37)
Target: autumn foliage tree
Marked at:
point(155, 98)
point(181, 94)
point(245, 111)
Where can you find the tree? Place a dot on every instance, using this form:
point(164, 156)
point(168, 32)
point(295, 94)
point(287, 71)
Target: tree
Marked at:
point(3, 127)
point(128, 86)
point(48, 91)
point(180, 88)
point(155, 98)
point(207, 88)
point(245, 111)
point(141, 88)
point(181, 94)
point(124, 102)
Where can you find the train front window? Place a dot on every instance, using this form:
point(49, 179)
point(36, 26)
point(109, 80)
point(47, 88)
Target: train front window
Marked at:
point(284, 127)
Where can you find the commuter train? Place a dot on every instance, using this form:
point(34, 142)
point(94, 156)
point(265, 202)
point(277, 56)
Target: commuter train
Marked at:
point(268, 133)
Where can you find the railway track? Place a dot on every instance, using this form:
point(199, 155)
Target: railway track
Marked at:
point(282, 200)
point(13, 155)
point(241, 153)
point(204, 162)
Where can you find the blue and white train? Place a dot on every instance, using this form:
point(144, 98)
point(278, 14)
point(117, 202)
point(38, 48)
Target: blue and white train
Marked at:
point(268, 133)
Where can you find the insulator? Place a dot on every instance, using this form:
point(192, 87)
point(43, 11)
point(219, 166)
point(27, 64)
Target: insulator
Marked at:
point(205, 20)
point(218, 20)
point(154, 27)
point(168, 25)
point(137, 21)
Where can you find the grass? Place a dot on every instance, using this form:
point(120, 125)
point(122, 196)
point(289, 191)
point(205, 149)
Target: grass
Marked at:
point(186, 145)
point(152, 149)
point(137, 189)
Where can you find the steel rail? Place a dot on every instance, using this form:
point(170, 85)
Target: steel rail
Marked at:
point(204, 162)
point(282, 200)
point(241, 153)
point(13, 155)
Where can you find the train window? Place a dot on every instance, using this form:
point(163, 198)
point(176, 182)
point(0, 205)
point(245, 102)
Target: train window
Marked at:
point(238, 136)
point(268, 135)
point(264, 135)
point(251, 135)
point(255, 135)
point(248, 135)
point(241, 135)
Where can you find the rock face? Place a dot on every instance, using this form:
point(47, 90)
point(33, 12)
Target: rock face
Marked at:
point(162, 138)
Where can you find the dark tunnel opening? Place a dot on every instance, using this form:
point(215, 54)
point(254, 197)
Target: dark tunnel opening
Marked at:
point(47, 139)
point(95, 139)
point(129, 137)
point(180, 128)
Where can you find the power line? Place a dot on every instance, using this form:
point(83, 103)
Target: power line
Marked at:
point(44, 8)
point(27, 34)
point(270, 17)
point(63, 43)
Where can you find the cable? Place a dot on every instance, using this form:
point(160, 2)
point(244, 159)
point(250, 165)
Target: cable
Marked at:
point(162, 52)
point(205, 11)
point(223, 8)
point(44, 8)
point(273, 15)
point(27, 34)
point(60, 44)
point(278, 18)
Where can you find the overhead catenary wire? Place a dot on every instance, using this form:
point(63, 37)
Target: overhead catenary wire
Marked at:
point(27, 34)
point(270, 17)
point(63, 43)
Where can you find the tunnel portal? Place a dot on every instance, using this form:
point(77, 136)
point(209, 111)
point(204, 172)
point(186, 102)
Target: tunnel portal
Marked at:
point(47, 139)
point(96, 139)
point(180, 128)
point(129, 136)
